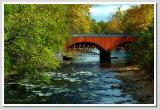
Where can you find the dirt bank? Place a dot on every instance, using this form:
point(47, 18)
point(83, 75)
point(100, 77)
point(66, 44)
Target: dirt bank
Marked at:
point(138, 84)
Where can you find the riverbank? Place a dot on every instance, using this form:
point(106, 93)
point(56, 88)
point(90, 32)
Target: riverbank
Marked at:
point(137, 83)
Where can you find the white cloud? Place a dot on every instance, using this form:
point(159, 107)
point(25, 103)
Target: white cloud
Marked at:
point(105, 11)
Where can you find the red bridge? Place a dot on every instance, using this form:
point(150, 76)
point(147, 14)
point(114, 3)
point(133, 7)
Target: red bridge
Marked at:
point(105, 43)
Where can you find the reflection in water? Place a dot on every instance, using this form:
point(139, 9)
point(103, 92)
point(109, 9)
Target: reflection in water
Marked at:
point(83, 81)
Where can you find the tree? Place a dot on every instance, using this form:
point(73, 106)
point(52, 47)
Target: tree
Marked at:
point(138, 18)
point(34, 34)
point(115, 26)
point(102, 25)
point(79, 18)
point(142, 51)
point(95, 28)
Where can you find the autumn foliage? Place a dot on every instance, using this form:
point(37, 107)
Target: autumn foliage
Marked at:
point(35, 34)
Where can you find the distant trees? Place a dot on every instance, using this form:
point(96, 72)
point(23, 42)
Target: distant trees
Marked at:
point(132, 21)
point(98, 27)
point(95, 27)
point(115, 26)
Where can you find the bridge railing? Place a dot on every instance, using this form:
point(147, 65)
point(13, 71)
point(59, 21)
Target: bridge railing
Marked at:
point(103, 35)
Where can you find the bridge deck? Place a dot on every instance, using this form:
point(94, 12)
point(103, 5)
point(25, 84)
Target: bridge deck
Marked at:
point(103, 35)
point(107, 42)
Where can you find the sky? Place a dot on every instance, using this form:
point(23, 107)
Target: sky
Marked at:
point(103, 12)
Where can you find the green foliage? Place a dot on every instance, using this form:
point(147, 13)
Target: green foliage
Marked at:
point(114, 26)
point(98, 27)
point(7, 63)
point(95, 28)
point(143, 50)
point(140, 20)
point(35, 35)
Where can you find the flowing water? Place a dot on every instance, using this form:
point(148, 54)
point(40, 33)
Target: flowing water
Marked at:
point(83, 81)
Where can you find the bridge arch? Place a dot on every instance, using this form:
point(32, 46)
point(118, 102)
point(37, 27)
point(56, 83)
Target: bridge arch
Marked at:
point(87, 45)
point(105, 56)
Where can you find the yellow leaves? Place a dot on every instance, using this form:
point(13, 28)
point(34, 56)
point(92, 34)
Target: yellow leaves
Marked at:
point(134, 20)
point(115, 26)
point(138, 18)
point(79, 18)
